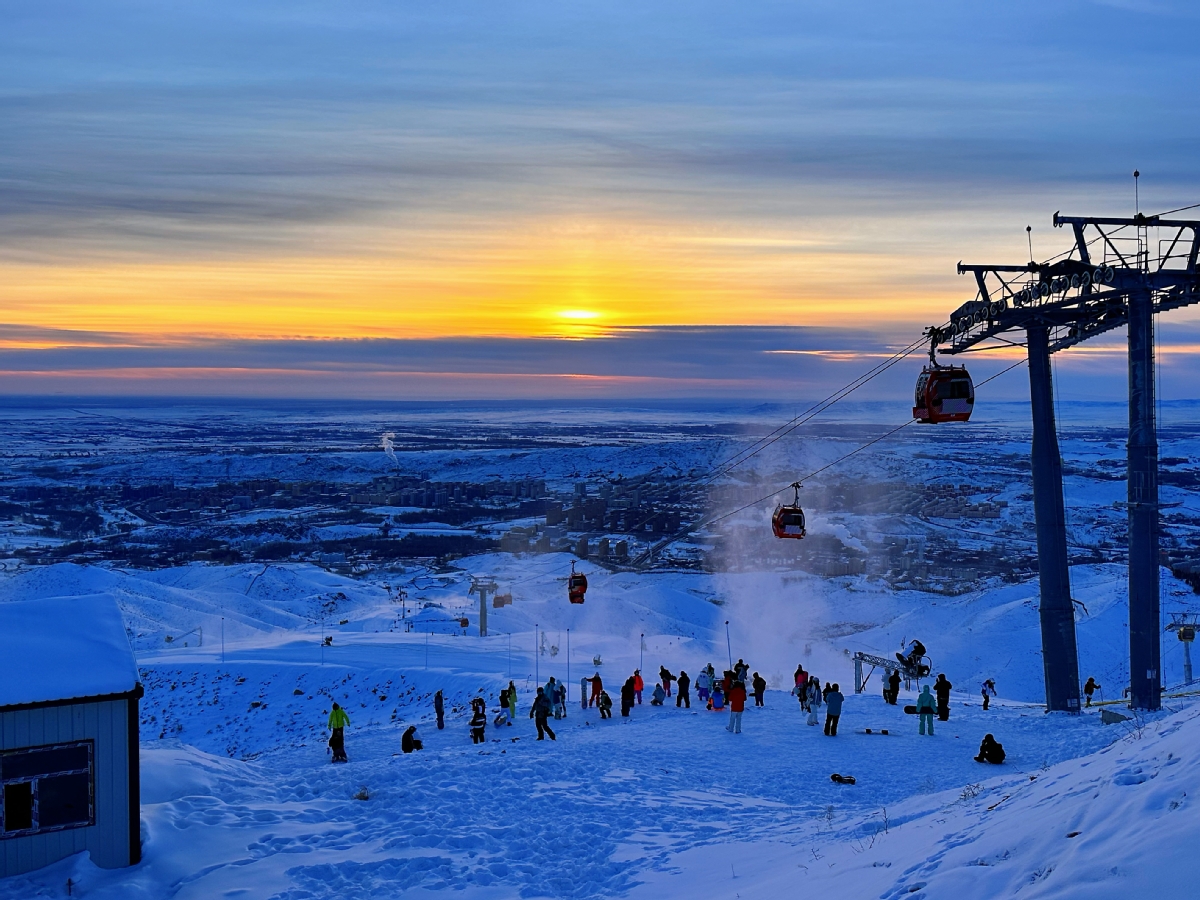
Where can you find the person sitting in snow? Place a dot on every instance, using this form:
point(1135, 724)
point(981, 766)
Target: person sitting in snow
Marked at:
point(410, 740)
point(717, 703)
point(990, 751)
point(659, 696)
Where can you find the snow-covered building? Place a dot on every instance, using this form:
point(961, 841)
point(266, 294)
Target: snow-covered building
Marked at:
point(69, 694)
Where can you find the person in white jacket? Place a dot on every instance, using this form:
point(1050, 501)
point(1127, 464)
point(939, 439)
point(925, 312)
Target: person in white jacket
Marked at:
point(815, 699)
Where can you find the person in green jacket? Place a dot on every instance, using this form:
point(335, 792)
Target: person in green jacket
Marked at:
point(512, 702)
point(337, 742)
point(925, 707)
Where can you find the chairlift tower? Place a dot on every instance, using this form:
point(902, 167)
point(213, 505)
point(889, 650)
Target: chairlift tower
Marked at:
point(1120, 272)
point(483, 587)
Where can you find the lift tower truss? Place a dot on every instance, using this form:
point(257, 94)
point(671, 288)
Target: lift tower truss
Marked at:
point(1120, 272)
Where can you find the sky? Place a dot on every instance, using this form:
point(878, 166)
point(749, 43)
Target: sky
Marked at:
point(384, 200)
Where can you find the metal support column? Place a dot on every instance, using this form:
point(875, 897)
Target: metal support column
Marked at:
point(1059, 655)
point(1145, 626)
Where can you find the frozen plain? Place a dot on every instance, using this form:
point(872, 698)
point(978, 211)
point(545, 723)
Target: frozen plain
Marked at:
point(241, 801)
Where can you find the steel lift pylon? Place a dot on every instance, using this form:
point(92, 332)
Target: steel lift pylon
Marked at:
point(1120, 272)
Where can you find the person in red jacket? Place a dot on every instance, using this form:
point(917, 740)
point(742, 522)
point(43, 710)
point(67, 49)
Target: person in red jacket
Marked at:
point(737, 705)
point(638, 685)
point(597, 687)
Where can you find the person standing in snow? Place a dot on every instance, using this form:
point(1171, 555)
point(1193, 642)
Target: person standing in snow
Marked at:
point(585, 687)
point(478, 721)
point(337, 739)
point(800, 677)
point(560, 701)
point(759, 684)
point(627, 696)
point(815, 699)
point(605, 705)
point(665, 676)
point(703, 686)
point(597, 687)
point(512, 702)
point(942, 687)
point(740, 671)
point(439, 707)
point(552, 695)
point(988, 690)
point(502, 715)
point(833, 710)
point(540, 713)
point(410, 740)
point(737, 705)
point(893, 691)
point(925, 707)
point(684, 698)
point(638, 685)
point(1090, 688)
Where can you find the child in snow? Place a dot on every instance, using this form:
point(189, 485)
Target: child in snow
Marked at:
point(478, 721)
point(638, 685)
point(703, 685)
point(502, 715)
point(605, 704)
point(990, 751)
point(337, 741)
point(410, 740)
point(925, 708)
point(988, 691)
point(717, 704)
point(815, 699)
point(760, 685)
point(512, 702)
point(659, 696)
point(1090, 688)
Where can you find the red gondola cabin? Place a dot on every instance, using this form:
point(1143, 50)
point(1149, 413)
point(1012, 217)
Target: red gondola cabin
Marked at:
point(576, 587)
point(788, 522)
point(944, 394)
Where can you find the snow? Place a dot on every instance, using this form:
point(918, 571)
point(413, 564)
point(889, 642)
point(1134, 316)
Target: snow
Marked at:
point(62, 648)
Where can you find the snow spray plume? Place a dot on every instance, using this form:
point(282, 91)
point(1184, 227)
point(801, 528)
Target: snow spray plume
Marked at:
point(388, 442)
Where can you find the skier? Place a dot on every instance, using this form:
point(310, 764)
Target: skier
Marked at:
point(833, 710)
point(659, 696)
point(685, 682)
point(337, 740)
point(585, 686)
point(627, 696)
point(597, 687)
point(540, 712)
point(512, 702)
point(666, 678)
point(410, 740)
point(815, 698)
point(990, 750)
point(893, 691)
point(439, 707)
point(478, 721)
point(925, 706)
point(737, 705)
point(759, 684)
point(703, 686)
point(1090, 688)
point(941, 687)
point(988, 690)
point(605, 705)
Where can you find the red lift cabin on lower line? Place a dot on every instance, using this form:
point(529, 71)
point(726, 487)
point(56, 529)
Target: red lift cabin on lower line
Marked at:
point(943, 394)
point(576, 586)
point(788, 521)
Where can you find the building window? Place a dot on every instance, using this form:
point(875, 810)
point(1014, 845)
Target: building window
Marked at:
point(47, 788)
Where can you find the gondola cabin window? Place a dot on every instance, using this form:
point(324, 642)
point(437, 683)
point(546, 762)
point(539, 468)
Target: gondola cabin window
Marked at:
point(49, 788)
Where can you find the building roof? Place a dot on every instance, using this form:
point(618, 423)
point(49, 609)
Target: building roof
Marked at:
point(63, 648)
